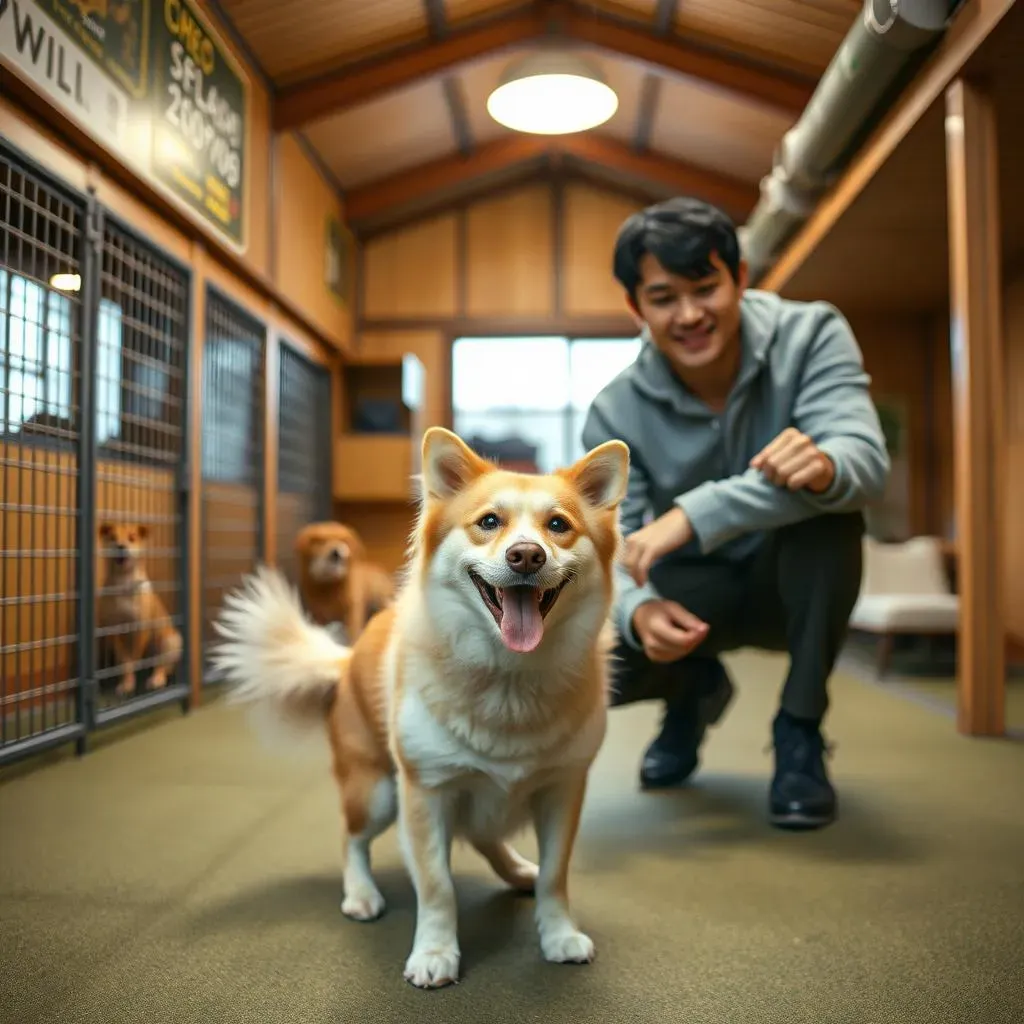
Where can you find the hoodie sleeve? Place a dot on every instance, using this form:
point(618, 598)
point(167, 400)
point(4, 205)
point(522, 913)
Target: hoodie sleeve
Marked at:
point(628, 596)
point(834, 408)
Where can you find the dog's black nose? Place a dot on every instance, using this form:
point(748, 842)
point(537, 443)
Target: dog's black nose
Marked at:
point(335, 555)
point(525, 557)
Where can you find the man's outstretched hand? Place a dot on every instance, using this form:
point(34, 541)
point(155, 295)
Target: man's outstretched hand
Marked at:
point(667, 630)
point(660, 536)
point(793, 460)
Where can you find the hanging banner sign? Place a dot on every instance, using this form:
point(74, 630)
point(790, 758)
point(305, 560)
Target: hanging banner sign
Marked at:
point(151, 81)
point(36, 47)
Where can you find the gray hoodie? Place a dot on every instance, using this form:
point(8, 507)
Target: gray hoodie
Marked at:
point(801, 366)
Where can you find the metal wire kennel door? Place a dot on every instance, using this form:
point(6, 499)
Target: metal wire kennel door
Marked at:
point(233, 451)
point(141, 384)
point(43, 364)
point(303, 451)
point(93, 354)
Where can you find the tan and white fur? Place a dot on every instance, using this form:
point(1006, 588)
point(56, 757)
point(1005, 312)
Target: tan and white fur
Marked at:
point(131, 610)
point(476, 704)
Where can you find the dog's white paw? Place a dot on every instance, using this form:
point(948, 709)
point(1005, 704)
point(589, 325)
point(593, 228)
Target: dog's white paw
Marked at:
point(567, 946)
point(433, 968)
point(363, 905)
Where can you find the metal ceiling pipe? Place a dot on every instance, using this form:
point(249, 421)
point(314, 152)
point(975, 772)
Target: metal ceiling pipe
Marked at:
point(854, 91)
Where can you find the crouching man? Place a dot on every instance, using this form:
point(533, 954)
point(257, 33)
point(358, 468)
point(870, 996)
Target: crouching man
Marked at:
point(754, 448)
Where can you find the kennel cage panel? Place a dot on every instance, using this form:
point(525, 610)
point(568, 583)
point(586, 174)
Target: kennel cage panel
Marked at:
point(234, 395)
point(141, 443)
point(44, 350)
point(303, 451)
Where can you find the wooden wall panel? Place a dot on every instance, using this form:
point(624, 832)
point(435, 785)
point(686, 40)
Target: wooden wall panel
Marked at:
point(593, 217)
point(510, 258)
point(1013, 321)
point(411, 274)
point(898, 355)
point(303, 204)
point(524, 255)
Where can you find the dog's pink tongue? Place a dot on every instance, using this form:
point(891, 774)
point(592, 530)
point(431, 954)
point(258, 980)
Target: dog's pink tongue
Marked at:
point(522, 627)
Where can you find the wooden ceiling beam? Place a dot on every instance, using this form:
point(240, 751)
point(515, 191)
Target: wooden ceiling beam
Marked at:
point(308, 101)
point(407, 188)
point(661, 173)
point(440, 178)
point(349, 87)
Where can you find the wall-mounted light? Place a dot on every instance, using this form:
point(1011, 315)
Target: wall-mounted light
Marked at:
point(66, 282)
point(552, 93)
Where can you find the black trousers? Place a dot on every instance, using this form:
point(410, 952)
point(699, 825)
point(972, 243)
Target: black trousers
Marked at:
point(794, 595)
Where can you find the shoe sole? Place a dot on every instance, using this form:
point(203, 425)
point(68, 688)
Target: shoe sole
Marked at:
point(669, 781)
point(797, 822)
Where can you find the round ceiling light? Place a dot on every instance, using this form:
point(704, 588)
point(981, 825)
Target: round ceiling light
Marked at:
point(552, 94)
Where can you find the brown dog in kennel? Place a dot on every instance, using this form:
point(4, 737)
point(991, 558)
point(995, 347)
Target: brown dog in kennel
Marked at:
point(130, 612)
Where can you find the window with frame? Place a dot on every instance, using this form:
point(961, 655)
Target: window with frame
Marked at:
point(524, 400)
point(36, 353)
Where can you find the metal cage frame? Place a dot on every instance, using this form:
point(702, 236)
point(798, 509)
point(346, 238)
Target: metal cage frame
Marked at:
point(80, 438)
point(215, 295)
point(290, 408)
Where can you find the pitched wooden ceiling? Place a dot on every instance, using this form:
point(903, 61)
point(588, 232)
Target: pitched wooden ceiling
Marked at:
point(391, 94)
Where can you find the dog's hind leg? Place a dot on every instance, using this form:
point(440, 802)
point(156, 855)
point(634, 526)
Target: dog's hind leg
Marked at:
point(369, 805)
point(508, 865)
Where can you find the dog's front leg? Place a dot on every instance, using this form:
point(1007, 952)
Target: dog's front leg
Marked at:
point(124, 650)
point(425, 828)
point(556, 815)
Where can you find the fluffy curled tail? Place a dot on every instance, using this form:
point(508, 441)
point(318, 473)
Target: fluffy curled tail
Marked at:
point(271, 654)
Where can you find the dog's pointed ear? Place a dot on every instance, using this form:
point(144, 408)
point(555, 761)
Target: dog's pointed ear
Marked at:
point(449, 464)
point(106, 531)
point(602, 475)
point(143, 531)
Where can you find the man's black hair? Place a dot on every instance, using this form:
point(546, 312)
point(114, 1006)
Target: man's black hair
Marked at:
point(681, 234)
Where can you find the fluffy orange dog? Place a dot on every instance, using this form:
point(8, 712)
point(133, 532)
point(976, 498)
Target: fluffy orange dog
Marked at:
point(131, 610)
point(476, 704)
point(336, 582)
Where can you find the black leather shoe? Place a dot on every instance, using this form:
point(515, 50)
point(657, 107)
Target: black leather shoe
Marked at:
point(674, 754)
point(801, 795)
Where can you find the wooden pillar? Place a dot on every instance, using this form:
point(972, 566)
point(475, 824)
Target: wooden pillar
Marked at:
point(976, 357)
point(197, 337)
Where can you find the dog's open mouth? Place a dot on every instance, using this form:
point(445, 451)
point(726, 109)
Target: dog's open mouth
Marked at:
point(518, 611)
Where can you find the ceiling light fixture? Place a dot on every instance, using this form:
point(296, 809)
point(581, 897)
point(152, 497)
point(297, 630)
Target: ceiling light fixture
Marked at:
point(552, 94)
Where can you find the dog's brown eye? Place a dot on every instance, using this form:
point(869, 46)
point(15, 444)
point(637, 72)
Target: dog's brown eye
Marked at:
point(488, 522)
point(556, 524)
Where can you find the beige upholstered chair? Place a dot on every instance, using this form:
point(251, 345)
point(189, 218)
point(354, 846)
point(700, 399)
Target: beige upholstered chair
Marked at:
point(905, 590)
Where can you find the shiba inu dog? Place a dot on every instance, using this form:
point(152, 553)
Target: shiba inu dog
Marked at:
point(475, 705)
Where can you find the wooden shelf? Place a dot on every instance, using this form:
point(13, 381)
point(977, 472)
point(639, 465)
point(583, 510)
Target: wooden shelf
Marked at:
point(377, 463)
point(375, 467)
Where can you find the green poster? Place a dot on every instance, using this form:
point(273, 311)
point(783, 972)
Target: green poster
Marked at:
point(198, 111)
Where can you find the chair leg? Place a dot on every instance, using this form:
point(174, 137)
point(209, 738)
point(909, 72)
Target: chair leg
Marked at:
point(883, 652)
